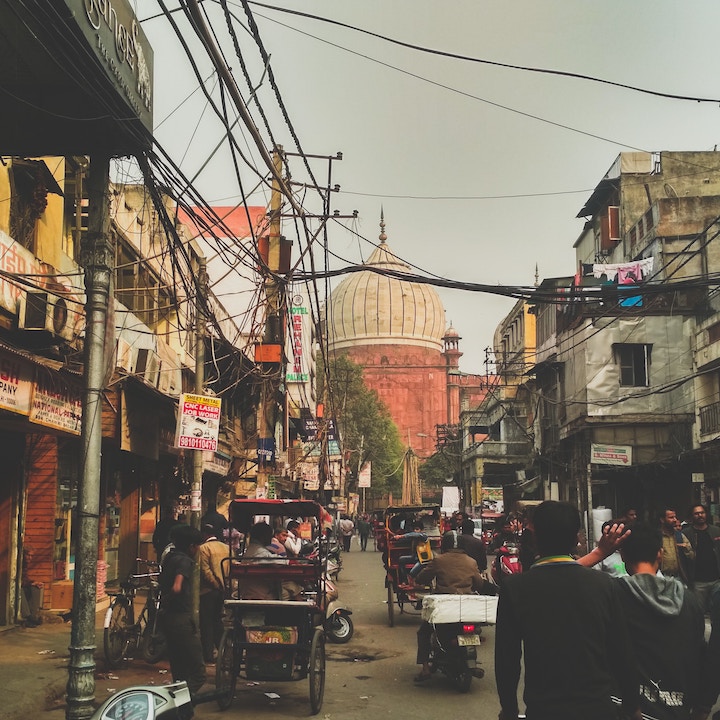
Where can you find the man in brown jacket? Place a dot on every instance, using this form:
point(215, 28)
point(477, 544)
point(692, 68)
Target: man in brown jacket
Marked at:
point(454, 573)
point(211, 555)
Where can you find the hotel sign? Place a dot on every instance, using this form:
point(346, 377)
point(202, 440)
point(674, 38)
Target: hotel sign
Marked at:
point(120, 45)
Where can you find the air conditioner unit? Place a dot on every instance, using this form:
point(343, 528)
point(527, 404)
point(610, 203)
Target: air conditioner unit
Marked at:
point(124, 355)
point(147, 366)
point(43, 311)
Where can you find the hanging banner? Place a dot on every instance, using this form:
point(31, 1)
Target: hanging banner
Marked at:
point(364, 475)
point(198, 422)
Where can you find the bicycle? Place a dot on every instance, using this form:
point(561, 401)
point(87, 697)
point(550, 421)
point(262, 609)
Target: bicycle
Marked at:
point(123, 631)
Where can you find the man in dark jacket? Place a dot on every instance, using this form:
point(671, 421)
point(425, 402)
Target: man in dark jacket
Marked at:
point(567, 622)
point(472, 545)
point(183, 639)
point(455, 573)
point(705, 540)
point(666, 627)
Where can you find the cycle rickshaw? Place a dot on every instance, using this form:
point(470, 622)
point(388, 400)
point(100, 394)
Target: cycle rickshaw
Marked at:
point(275, 639)
point(398, 521)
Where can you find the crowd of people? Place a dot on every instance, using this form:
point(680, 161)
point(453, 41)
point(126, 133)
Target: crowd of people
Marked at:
point(633, 632)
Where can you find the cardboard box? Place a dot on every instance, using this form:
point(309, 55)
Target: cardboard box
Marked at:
point(440, 609)
point(62, 595)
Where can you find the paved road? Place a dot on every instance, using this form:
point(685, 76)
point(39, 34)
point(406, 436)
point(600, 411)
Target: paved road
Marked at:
point(371, 676)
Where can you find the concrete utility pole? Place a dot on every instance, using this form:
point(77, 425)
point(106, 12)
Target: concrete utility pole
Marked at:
point(273, 327)
point(196, 490)
point(98, 261)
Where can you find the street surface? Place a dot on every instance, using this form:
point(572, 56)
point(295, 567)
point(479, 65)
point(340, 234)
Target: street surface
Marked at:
point(372, 674)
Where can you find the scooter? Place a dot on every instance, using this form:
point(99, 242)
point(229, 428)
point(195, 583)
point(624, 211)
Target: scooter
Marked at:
point(148, 702)
point(337, 624)
point(507, 562)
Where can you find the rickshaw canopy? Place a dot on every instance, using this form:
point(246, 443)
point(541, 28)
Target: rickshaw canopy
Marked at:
point(243, 511)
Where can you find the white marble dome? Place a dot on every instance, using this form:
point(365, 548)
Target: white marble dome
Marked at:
point(368, 308)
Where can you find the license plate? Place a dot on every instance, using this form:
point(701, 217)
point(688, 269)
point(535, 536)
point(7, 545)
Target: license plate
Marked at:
point(465, 640)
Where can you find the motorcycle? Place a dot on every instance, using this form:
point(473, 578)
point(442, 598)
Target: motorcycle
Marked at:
point(507, 562)
point(148, 702)
point(456, 622)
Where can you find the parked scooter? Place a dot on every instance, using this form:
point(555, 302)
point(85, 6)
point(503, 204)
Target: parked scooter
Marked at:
point(338, 626)
point(148, 702)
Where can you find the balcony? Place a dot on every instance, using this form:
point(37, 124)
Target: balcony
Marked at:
point(710, 419)
point(507, 450)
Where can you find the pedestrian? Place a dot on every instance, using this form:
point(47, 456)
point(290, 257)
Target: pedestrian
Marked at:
point(364, 529)
point(628, 516)
point(472, 545)
point(213, 558)
point(183, 640)
point(567, 624)
point(678, 555)
point(666, 627)
point(705, 541)
point(347, 528)
point(161, 534)
point(293, 541)
point(455, 573)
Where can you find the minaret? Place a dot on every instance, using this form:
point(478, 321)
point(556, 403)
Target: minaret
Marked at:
point(451, 342)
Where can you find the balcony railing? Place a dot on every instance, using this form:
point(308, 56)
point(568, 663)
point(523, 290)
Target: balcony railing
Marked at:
point(710, 418)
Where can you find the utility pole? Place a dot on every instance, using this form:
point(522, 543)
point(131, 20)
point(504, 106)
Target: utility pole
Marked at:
point(273, 330)
point(196, 489)
point(98, 262)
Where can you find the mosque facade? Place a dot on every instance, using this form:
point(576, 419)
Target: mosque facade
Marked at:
point(395, 329)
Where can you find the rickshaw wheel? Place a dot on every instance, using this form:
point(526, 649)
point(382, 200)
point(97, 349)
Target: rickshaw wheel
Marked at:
point(391, 605)
point(317, 671)
point(225, 672)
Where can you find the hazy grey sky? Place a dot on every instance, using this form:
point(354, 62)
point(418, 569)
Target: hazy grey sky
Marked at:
point(418, 132)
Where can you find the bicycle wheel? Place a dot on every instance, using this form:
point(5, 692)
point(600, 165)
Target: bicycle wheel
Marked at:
point(226, 670)
point(317, 671)
point(116, 637)
point(153, 643)
point(390, 604)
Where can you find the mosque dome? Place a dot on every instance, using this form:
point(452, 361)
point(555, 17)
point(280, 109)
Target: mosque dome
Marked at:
point(369, 308)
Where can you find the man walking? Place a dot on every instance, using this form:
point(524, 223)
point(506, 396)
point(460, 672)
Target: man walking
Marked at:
point(666, 627)
point(183, 639)
point(211, 556)
point(347, 528)
point(705, 541)
point(677, 552)
point(567, 622)
point(364, 529)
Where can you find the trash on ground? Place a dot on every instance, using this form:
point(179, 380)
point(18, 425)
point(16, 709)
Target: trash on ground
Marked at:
point(46, 652)
point(272, 696)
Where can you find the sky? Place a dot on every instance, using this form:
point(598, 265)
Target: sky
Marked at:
point(480, 170)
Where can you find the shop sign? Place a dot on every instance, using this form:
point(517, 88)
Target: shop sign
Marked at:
point(311, 476)
point(215, 463)
point(611, 454)
point(16, 384)
point(364, 475)
point(56, 405)
point(115, 37)
point(199, 422)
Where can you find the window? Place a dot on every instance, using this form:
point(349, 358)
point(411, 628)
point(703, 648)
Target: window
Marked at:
point(634, 362)
point(137, 287)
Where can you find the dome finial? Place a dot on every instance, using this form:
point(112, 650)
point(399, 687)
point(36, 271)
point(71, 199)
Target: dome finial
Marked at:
point(383, 236)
